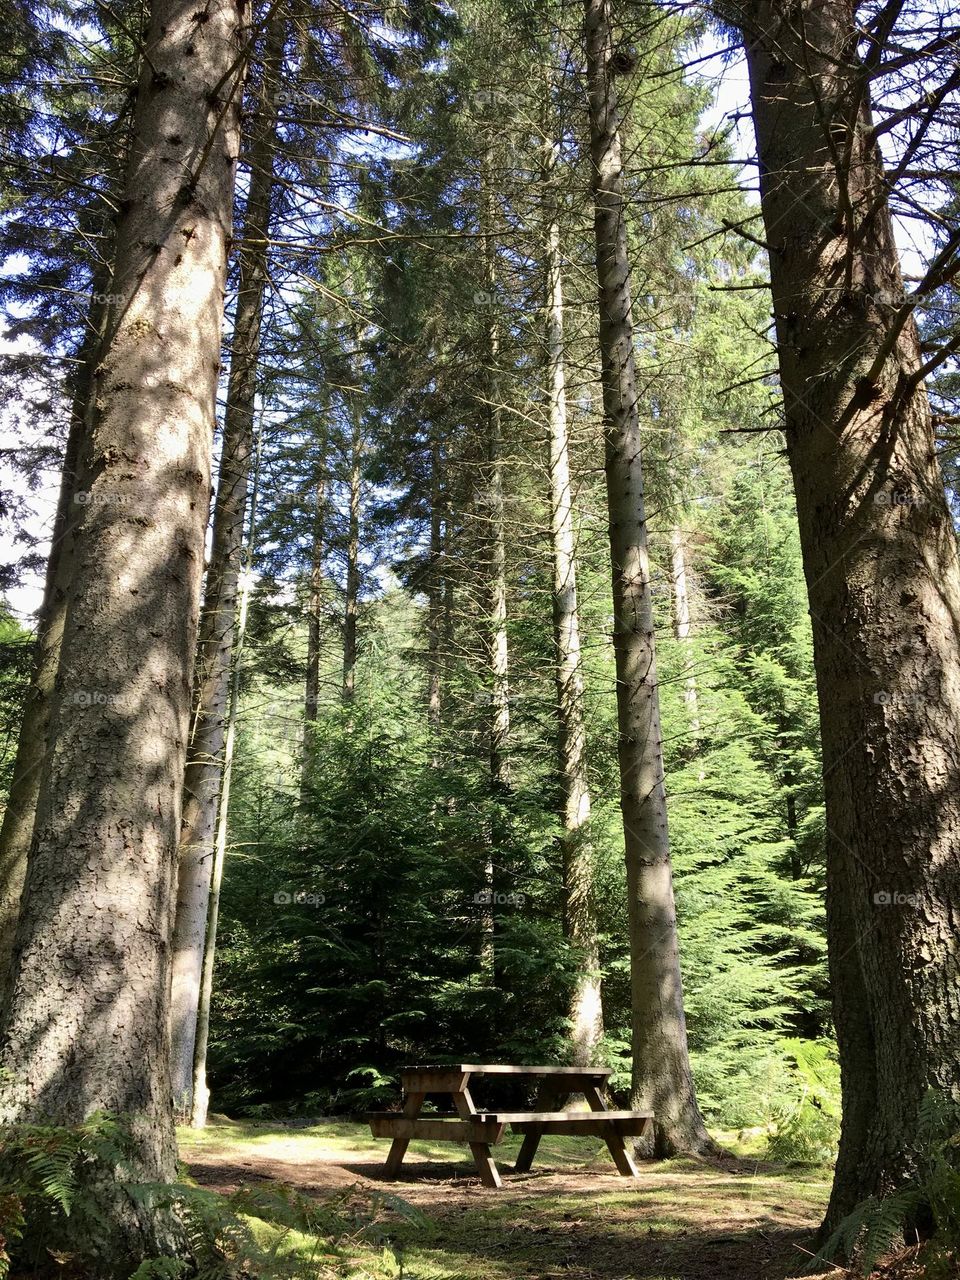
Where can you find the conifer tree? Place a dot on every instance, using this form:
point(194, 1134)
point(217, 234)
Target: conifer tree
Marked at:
point(79, 1038)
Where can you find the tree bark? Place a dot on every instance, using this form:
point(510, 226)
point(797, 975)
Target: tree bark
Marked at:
point(435, 600)
point(662, 1081)
point(499, 650)
point(311, 700)
point(681, 628)
point(200, 1092)
point(87, 1024)
point(16, 831)
point(204, 770)
point(880, 558)
point(580, 925)
point(499, 658)
point(353, 567)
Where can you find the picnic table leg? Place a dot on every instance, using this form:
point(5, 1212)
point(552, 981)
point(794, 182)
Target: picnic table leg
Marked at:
point(489, 1173)
point(615, 1143)
point(398, 1147)
point(548, 1099)
point(486, 1167)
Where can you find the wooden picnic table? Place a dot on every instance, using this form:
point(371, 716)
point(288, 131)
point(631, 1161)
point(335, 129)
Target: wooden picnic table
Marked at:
point(483, 1129)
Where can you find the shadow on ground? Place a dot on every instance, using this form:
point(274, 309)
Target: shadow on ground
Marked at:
point(678, 1221)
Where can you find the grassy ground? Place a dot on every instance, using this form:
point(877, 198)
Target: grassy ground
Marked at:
point(570, 1218)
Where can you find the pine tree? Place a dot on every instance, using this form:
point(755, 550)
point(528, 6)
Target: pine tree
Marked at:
point(662, 1081)
point(882, 572)
point(81, 1037)
point(217, 635)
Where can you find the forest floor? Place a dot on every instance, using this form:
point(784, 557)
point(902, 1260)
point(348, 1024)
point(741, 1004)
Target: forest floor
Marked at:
point(571, 1218)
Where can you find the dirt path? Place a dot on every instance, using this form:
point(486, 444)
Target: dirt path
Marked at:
point(729, 1221)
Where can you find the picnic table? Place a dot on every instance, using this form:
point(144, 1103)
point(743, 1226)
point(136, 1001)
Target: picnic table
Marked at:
point(484, 1129)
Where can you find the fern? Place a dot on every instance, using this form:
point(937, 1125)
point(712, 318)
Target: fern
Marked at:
point(45, 1177)
point(161, 1269)
point(886, 1224)
point(873, 1228)
point(42, 1170)
point(276, 1232)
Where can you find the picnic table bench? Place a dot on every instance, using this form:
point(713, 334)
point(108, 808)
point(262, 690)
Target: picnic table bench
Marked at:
point(483, 1129)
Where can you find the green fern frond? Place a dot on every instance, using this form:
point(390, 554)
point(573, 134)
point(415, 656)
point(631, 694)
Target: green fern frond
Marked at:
point(888, 1222)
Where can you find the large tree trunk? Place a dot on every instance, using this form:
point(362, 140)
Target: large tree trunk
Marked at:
point(87, 1025)
point(662, 1081)
point(218, 619)
point(580, 925)
point(880, 558)
point(20, 812)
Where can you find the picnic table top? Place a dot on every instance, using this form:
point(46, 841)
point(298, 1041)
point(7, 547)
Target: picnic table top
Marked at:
point(498, 1069)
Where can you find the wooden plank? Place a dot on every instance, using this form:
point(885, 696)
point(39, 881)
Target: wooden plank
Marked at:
point(398, 1148)
point(550, 1091)
point(557, 1118)
point(500, 1069)
point(586, 1126)
point(489, 1173)
point(486, 1166)
point(434, 1128)
point(614, 1139)
point(621, 1156)
point(463, 1101)
point(434, 1080)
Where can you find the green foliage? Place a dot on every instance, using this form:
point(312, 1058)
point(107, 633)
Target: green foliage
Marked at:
point(370, 957)
point(386, 841)
point(277, 1234)
point(926, 1207)
point(42, 1176)
point(807, 1124)
point(16, 651)
point(271, 1233)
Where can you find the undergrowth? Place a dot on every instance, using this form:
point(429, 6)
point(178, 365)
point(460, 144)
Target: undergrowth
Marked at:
point(926, 1209)
point(254, 1234)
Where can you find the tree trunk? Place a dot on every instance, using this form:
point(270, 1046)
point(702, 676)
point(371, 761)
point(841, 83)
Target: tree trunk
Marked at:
point(353, 567)
point(218, 621)
point(580, 925)
point(200, 1093)
point(681, 628)
point(311, 701)
point(87, 1025)
point(662, 1081)
point(499, 723)
point(20, 812)
point(499, 653)
point(880, 558)
point(435, 600)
